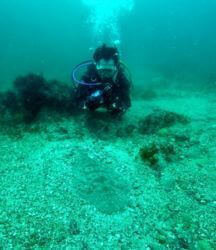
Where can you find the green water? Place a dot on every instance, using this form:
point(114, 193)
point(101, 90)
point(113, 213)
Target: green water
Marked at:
point(50, 37)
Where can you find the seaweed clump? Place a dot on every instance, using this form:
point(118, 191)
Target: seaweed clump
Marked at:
point(60, 97)
point(153, 153)
point(160, 119)
point(149, 154)
point(33, 93)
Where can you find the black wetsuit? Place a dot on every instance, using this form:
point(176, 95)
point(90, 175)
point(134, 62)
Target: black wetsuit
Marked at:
point(114, 96)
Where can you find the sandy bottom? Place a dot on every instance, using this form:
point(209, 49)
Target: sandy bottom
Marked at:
point(81, 183)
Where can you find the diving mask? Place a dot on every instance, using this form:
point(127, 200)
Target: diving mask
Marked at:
point(106, 68)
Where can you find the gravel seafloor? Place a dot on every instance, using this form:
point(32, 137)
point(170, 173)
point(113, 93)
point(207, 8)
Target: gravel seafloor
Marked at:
point(81, 183)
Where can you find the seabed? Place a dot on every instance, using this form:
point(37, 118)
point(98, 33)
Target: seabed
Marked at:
point(146, 181)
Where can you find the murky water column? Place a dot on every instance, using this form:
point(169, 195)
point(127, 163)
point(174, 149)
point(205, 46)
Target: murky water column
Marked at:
point(104, 19)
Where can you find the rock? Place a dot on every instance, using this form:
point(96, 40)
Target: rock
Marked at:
point(159, 120)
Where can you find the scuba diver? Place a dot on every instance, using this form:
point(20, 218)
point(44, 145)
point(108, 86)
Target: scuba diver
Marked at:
point(106, 82)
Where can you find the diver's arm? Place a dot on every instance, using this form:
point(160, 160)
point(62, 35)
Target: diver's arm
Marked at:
point(89, 98)
point(83, 92)
point(81, 95)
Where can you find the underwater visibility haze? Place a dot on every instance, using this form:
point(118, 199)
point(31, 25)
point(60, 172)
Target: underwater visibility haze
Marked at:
point(73, 178)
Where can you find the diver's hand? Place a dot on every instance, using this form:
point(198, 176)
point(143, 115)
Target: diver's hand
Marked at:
point(108, 88)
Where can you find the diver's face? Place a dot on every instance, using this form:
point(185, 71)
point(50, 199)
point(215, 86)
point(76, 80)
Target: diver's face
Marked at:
point(106, 68)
